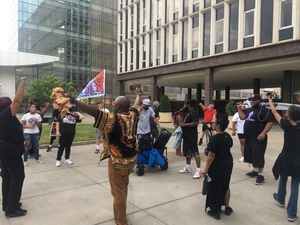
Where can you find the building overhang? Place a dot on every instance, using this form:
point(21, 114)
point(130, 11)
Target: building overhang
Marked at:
point(16, 59)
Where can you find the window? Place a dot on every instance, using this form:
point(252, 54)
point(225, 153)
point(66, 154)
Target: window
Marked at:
point(195, 37)
point(185, 7)
point(121, 58)
point(175, 43)
point(195, 5)
point(249, 23)
point(131, 55)
point(137, 54)
point(184, 39)
point(132, 22)
point(158, 37)
point(207, 3)
point(206, 35)
point(166, 44)
point(144, 52)
point(286, 29)
point(219, 32)
point(158, 21)
point(145, 16)
point(266, 30)
point(150, 49)
point(176, 10)
point(233, 25)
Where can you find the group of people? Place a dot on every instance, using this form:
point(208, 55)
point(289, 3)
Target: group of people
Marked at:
point(121, 128)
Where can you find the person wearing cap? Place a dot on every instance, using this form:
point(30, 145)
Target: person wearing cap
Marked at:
point(209, 115)
point(144, 122)
point(99, 133)
point(153, 125)
point(258, 122)
point(11, 151)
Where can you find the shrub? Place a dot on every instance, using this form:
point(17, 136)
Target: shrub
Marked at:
point(230, 108)
point(165, 105)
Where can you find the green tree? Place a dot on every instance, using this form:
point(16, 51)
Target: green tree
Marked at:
point(42, 87)
point(230, 108)
point(165, 105)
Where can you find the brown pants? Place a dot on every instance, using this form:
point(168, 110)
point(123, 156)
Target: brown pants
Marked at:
point(119, 180)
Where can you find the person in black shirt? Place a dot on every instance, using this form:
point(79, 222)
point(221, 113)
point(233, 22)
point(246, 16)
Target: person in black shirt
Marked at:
point(65, 128)
point(11, 151)
point(258, 122)
point(55, 115)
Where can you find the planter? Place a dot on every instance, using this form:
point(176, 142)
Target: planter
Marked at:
point(230, 122)
point(165, 117)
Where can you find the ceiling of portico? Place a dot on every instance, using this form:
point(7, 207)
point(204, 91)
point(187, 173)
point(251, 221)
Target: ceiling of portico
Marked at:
point(237, 76)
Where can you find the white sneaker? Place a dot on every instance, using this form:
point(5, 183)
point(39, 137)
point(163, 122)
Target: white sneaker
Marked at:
point(241, 159)
point(25, 163)
point(39, 161)
point(186, 170)
point(198, 173)
point(57, 163)
point(68, 161)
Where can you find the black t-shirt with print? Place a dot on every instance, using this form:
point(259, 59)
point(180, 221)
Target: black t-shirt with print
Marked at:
point(68, 123)
point(256, 120)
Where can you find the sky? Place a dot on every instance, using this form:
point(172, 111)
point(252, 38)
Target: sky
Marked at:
point(4, 24)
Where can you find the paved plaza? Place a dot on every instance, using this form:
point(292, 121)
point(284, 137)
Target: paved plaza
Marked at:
point(80, 193)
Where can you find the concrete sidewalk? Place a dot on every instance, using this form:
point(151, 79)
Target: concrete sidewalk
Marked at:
point(80, 194)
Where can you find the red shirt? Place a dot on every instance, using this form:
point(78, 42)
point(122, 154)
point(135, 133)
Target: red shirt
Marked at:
point(208, 114)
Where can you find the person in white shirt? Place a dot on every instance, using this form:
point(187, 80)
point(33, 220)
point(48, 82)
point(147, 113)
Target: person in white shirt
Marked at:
point(99, 133)
point(31, 121)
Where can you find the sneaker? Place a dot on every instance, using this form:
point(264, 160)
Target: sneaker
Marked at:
point(275, 196)
point(25, 163)
point(49, 149)
point(97, 151)
point(39, 161)
point(241, 159)
point(198, 174)
point(68, 161)
point(292, 219)
point(252, 174)
point(260, 180)
point(57, 164)
point(186, 170)
point(228, 211)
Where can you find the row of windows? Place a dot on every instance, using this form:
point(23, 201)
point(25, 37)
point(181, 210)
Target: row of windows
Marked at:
point(208, 33)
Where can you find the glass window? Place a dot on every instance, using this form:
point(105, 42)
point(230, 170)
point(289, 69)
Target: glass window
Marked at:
point(249, 4)
point(218, 1)
point(195, 5)
point(207, 27)
point(195, 37)
point(166, 44)
point(207, 3)
point(158, 13)
point(286, 13)
point(233, 25)
point(266, 30)
point(175, 43)
point(158, 37)
point(249, 23)
point(219, 30)
point(176, 10)
point(185, 7)
point(184, 39)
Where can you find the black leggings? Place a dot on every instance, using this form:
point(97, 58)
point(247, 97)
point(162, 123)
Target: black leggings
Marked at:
point(65, 142)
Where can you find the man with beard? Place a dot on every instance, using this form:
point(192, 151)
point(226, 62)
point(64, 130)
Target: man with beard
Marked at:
point(258, 122)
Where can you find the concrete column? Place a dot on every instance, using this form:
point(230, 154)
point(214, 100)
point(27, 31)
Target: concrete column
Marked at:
point(189, 95)
point(227, 92)
point(287, 86)
point(153, 88)
point(256, 86)
point(120, 88)
point(218, 95)
point(209, 85)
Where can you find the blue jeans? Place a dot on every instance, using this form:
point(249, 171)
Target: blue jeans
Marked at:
point(34, 140)
point(293, 201)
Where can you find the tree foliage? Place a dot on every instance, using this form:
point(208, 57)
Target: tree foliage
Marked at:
point(165, 105)
point(230, 108)
point(42, 87)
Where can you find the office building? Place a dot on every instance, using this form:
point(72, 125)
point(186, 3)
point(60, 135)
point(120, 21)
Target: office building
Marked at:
point(209, 46)
point(82, 33)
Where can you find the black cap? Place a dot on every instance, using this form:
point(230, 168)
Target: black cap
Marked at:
point(255, 97)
